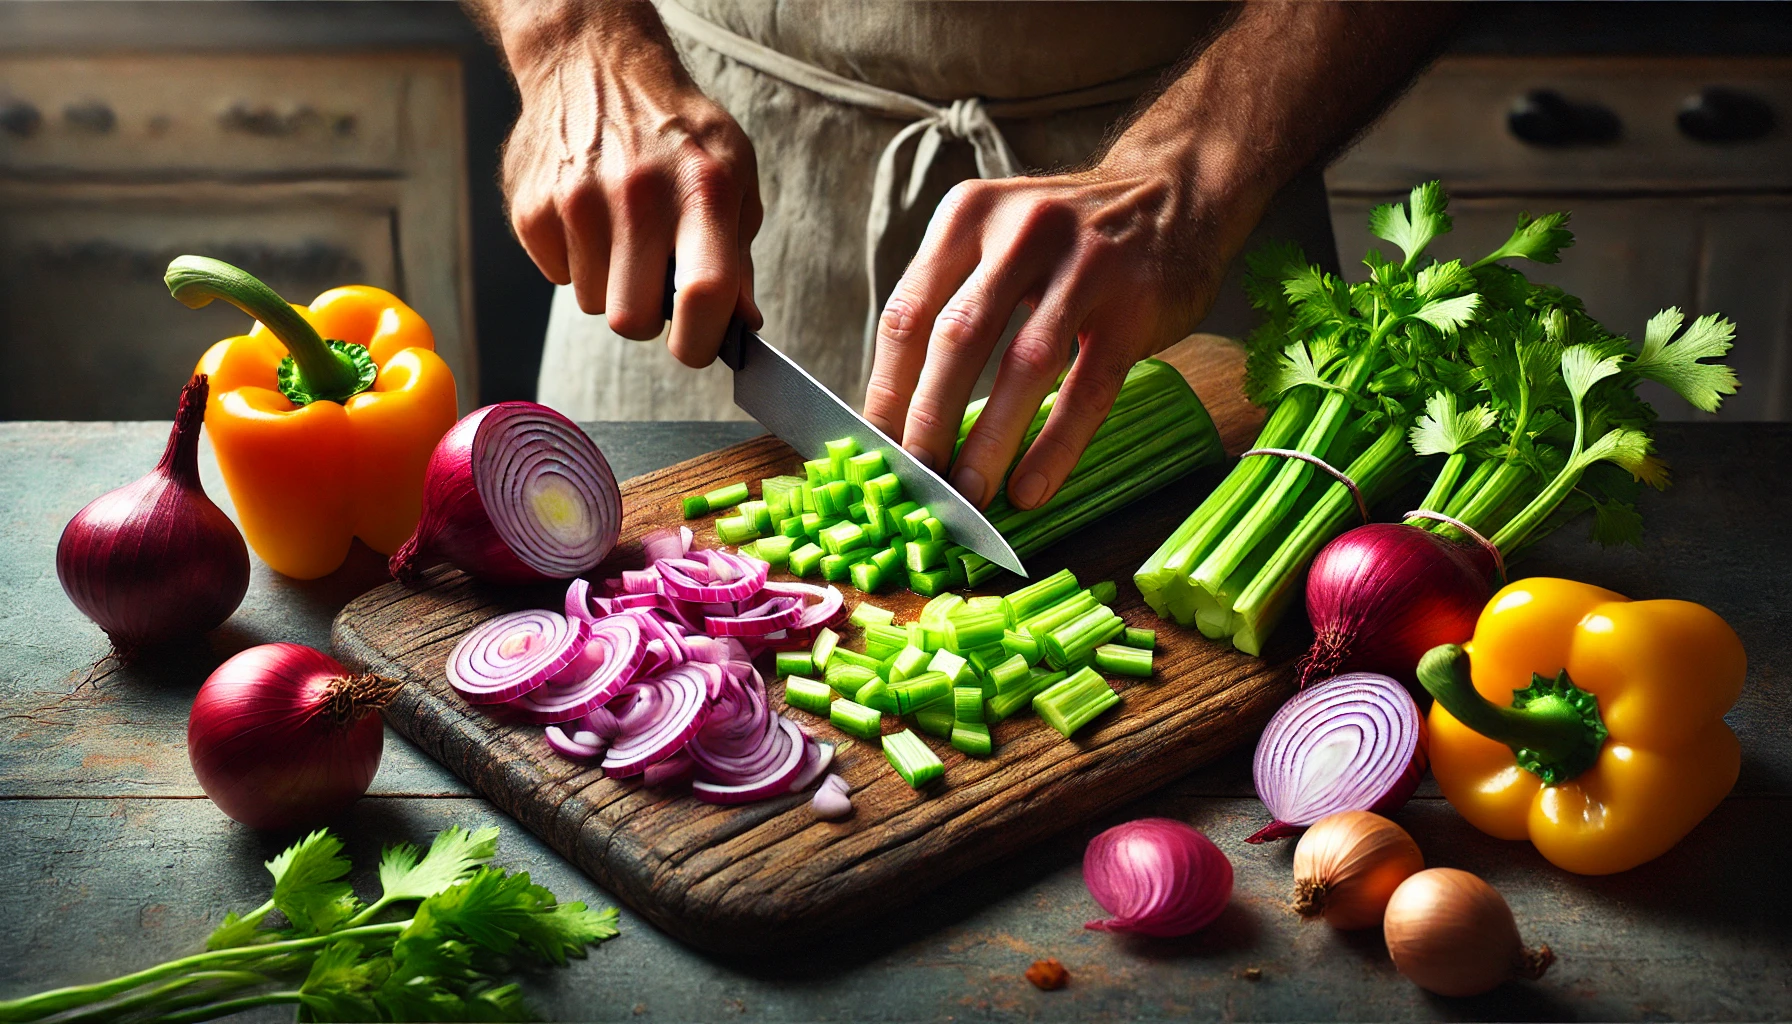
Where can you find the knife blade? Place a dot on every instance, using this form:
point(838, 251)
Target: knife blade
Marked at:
point(775, 390)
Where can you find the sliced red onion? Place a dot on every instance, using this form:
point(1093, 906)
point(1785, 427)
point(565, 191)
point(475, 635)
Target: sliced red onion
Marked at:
point(640, 581)
point(659, 716)
point(510, 655)
point(602, 722)
point(620, 652)
point(816, 758)
point(623, 602)
point(785, 760)
point(580, 746)
point(578, 600)
point(832, 799)
point(768, 617)
point(1352, 743)
point(663, 544)
point(821, 605)
point(681, 577)
point(673, 770)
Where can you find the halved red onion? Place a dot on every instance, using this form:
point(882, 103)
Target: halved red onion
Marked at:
point(514, 493)
point(613, 655)
point(509, 655)
point(786, 751)
point(580, 746)
point(658, 717)
point(1355, 742)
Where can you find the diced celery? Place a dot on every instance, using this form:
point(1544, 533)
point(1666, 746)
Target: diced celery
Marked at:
point(868, 614)
point(912, 758)
point(1009, 674)
point(838, 452)
point(1120, 660)
point(792, 527)
point(1106, 592)
point(735, 530)
point(1143, 639)
point(972, 738)
point(1039, 595)
point(886, 488)
point(1022, 645)
point(920, 556)
point(758, 513)
point(807, 695)
point(1074, 643)
point(875, 693)
point(935, 720)
point(910, 661)
point(927, 584)
point(806, 559)
point(866, 576)
point(953, 666)
point(825, 642)
point(967, 628)
point(914, 523)
point(855, 719)
point(864, 466)
point(1003, 705)
point(775, 550)
point(967, 703)
point(839, 567)
point(794, 663)
point(1074, 701)
point(726, 496)
point(695, 506)
point(919, 691)
point(848, 679)
point(819, 471)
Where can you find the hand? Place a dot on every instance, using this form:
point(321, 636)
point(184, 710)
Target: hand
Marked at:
point(618, 162)
point(1123, 260)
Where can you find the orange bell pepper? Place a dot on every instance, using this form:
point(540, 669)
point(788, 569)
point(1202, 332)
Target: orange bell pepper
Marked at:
point(1588, 723)
point(320, 442)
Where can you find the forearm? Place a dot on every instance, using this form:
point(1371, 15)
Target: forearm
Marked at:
point(1286, 84)
point(534, 35)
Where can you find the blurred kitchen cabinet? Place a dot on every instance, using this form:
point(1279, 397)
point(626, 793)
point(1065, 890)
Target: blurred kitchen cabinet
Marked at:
point(307, 170)
point(1678, 172)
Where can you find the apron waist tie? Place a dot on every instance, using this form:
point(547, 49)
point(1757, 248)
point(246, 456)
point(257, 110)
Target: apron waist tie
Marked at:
point(968, 120)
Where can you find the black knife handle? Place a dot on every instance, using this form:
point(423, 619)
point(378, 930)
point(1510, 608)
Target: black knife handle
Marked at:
point(731, 352)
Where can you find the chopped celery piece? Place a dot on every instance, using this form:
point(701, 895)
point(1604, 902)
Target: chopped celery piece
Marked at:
point(952, 666)
point(935, 721)
point(887, 563)
point(922, 555)
point(977, 569)
point(885, 487)
point(842, 537)
point(927, 584)
point(839, 567)
point(1105, 592)
point(838, 452)
point(735, 530)
point(875, 693)
point(780, 488)
point(808, 694)
point(969, 628)
point(967, 703)
point(1143, 639)
point(910, 661)
point(867, 576)
point(806, 559)
point(935, 611)
point(856, 511)
point(1009, 674)
point(884, 641)
point(868, 614)
point(758, 513)
point(990, 602)
point(972, 738)
point(834, 497)
point(1022, 645)
point(818, 472)
point(695, 506)
point(1060, 613)
point(1072, 702)
point(931, 529)
point(1120, 660)
point(794, 663)
point(775, 550)
point(875, 531)
point(1004, 704)
point(848, 679)
point(988, 656)
point(912, 758)
point(864, 466)
point(843, 656)
point(920, 691)
point(726, 496)
point(914, 523)
point(1036, 597)
point(812, 525)
point(856, 719)
point(1074, 643)
point(825, 642)
point(955, 567)
point(792, 528)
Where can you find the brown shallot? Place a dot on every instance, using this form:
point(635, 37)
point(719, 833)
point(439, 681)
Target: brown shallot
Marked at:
point(1453, 934)
point(1348, 864)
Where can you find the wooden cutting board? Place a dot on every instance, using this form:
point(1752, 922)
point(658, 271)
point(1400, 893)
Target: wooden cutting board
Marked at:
point(746, 878)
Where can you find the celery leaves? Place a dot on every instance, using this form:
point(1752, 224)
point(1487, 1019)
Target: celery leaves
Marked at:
point(1675, 363)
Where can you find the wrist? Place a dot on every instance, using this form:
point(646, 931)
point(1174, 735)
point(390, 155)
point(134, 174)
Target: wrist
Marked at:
point(1224, 183)
point(538, 36)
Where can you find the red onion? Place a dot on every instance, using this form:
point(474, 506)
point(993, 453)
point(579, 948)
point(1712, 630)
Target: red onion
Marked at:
point(1157, 877)
point(515, 493)
point(155, 560)
point(1382, 595)
point(506, 657)
point(657, 717)
point(582, 745)
point(832, 800)
point(282, 737)
point(788, 748)
point(610, 659)
point(1353, 743)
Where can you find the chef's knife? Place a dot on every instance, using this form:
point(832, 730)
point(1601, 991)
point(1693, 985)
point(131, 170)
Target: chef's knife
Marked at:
point(781, 395)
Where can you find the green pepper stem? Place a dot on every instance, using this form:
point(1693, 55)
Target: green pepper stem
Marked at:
point(1550, 735)
point(197, 280)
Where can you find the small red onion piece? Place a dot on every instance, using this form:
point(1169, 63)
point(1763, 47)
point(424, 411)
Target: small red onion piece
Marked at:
point(514, 493)
point(580, 746)
point(668, 543)
point(1157, 877)
point(686, 579)
point(624, 602)
point(679, 768)
point(578, 601)
point(817, 757)
point(602, 722)
point(833, 799)
point(1353, 743)
point(509, 655)
point(821, 605)
point(620, 652)
point(640, 581)
point(788, 750)
point(768, 617)
point(658, 718)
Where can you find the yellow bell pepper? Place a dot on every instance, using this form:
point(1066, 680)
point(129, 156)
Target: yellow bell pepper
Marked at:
point(320, 442)
point(1588, 723)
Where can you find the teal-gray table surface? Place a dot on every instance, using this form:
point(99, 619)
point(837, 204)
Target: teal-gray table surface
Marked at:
point(111, 859)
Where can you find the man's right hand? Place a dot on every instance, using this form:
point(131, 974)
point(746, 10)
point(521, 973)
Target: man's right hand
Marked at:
point(618, 162)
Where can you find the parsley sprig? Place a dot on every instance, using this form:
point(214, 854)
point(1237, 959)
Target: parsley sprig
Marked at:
point(316, 946)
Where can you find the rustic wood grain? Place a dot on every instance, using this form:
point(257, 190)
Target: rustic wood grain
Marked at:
point(735, 878)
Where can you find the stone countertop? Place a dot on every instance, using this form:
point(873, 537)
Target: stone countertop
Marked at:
point(112, 860)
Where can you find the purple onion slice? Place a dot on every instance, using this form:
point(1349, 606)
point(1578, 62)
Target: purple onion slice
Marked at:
point(788, 749)
point(659, 717)
point(613, 654)
point(510, 655)
point(580, 746)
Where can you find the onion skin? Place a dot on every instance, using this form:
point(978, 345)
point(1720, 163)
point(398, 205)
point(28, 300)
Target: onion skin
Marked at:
point(1157, 877)
point(1383, 594)
point(283, 738)
point(156, 560)
point(1453, 934)
point(1348, 864)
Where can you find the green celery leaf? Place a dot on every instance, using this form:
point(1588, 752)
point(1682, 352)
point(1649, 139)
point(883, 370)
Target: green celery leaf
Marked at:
point(1616, 523)
point(340, 983)
point(1448, 315)
point(240, 931)
point(1445, 431)
point(503, 1003)
point(1627, 448)
point(1296, 369)
point(1582, 368)
point(1540, 239)
point(499, 911)
point(308, 886)
point(419, 998)
point(1676, 363)
point(452, 858)
point(1414, 226)
point(1443, 279)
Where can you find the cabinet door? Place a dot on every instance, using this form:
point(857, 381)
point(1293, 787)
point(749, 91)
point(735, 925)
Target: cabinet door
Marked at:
point(91, 330)
point(1635, 256)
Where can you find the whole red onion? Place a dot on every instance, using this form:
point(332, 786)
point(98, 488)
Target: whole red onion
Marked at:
point(282, 737)
point(1382, 595)
point(514, 493)
point(155, 560)
point(1157, 877)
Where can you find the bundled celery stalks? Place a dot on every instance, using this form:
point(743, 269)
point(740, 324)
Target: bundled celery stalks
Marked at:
point(1347, 369)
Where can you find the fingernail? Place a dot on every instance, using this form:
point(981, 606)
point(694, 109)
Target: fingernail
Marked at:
point(969, 483)
point(922, 455)
point(1028, 490)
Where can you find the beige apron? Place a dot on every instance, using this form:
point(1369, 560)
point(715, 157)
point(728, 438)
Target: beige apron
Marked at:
point(862, 116)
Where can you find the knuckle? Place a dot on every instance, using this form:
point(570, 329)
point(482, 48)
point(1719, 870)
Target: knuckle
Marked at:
point(1036, 354)
point(639, 187)
point(901, 317)
point(879, 396)
point(925, 421)
point(956, 328)
point(709, 182)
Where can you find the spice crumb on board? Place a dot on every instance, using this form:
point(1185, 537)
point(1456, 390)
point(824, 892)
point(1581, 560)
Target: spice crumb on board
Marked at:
point(1251, 973)
point(1048, 974)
